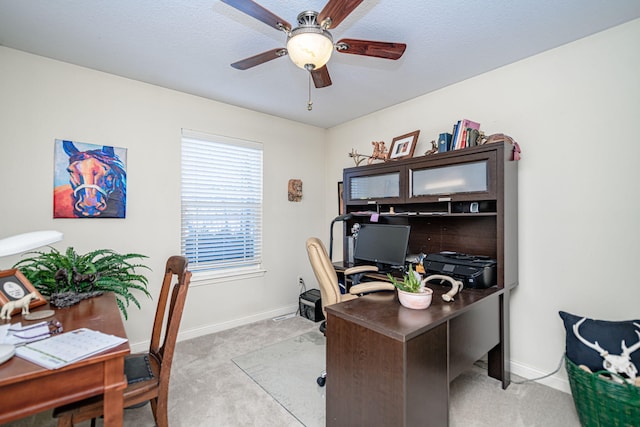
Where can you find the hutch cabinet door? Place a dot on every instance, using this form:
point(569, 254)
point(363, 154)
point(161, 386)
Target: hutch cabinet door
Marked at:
point(367, 185)
point(468, 177)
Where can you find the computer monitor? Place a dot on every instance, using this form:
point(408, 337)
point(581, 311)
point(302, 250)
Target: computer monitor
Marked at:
point(383, 244)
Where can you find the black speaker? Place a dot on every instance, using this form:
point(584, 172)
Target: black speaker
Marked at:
point(311, 305)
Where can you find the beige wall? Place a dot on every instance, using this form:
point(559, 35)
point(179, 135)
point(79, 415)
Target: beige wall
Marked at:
point(574, 110)
point(42, 99)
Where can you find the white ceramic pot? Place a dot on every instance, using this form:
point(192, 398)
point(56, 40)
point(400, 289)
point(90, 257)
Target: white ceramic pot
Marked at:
point(416, 301)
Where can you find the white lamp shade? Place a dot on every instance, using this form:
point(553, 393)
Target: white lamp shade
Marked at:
point(310, 48)
point(26, 241)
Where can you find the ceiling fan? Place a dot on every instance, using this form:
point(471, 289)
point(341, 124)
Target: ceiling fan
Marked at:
point(310, 44)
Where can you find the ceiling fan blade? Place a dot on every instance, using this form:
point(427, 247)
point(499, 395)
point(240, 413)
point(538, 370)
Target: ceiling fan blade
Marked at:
point(371, 48)
point(254, 10)
point(258, 59)
point(321, 77)
point(337, 10)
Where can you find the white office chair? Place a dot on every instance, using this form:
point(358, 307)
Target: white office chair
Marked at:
point(328, 281)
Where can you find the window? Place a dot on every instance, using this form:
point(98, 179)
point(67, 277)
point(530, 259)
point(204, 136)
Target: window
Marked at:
point(221, 203)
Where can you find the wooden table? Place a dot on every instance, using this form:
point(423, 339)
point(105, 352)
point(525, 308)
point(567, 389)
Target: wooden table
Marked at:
point(27, 388)
point(388, 365)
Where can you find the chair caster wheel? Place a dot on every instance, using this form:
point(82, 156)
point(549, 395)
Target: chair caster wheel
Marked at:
point(321, 381)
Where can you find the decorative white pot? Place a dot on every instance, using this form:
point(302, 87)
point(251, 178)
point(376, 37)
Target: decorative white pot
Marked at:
point(416, 301)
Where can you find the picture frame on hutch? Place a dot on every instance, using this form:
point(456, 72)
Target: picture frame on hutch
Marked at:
point(402, 147)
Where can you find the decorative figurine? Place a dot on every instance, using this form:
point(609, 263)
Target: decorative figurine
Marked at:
point(295, 190)
point(434, 148)
point(380, 152)
point(357, 158)
point(500, 137)
point(69, 298)
point(23, 303)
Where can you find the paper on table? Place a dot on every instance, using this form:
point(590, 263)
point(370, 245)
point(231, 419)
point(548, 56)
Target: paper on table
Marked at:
point(69, 347)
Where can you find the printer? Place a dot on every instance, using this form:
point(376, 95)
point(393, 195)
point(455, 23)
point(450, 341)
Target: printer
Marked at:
point(474, 271)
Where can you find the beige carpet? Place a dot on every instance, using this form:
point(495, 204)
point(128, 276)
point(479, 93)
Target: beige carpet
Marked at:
point(209, 389)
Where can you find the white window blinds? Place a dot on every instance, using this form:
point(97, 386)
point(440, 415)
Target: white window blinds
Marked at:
point(221, 202)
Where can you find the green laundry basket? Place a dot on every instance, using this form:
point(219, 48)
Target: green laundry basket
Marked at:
point(601, 402)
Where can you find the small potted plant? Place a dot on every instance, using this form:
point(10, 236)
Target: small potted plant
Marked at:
point(411, 291)
point(66, 278)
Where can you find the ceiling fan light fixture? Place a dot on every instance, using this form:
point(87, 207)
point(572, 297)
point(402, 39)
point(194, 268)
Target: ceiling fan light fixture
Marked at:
point(310, 48)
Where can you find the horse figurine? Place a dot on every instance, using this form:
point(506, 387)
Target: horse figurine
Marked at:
point(22, 303)
point(97, 185)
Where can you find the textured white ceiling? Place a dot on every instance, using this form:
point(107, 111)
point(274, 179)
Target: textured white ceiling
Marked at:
point(188, 45)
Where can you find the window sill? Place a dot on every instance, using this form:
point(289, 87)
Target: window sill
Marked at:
point(212, 278)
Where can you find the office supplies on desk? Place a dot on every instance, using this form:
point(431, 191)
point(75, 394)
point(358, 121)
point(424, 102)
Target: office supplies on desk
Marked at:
point(61, 350)
point(17, 334)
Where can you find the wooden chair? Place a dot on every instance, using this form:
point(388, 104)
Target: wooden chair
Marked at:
point(147, 373)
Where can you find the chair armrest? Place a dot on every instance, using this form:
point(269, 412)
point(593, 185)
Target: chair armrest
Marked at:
point(360, 269)
point(347, 297)
point(367, 287)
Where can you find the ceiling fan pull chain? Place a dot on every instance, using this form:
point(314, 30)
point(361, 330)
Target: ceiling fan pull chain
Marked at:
point(309, 103)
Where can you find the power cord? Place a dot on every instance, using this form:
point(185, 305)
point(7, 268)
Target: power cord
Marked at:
point(303, 289)
point(483, 365)
point(544, 376)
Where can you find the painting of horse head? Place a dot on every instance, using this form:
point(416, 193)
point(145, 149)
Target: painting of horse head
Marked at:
point(96, 182)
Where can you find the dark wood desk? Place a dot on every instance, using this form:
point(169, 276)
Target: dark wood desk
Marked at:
point(27, 388)
point(388, 365)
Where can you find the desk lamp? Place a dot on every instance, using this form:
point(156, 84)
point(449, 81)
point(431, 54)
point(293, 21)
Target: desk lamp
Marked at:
point(15, 245)
point(346, 217)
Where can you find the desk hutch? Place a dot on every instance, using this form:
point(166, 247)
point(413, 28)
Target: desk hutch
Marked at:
point(389, 365)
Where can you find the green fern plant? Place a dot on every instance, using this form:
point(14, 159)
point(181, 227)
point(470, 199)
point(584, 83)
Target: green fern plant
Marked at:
point(101, 270)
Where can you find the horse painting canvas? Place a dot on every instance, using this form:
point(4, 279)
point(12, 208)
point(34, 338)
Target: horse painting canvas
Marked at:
point(90, 181)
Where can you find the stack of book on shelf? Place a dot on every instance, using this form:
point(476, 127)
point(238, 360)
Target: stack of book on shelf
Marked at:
point(465, 134)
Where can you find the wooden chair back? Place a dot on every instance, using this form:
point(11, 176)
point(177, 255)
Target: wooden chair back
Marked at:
point(163, 345)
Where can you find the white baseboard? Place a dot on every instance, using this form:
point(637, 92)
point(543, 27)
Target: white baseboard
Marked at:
point(556, 381)
point(210, 329)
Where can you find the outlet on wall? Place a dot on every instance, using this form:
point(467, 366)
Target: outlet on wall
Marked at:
point(300, 281)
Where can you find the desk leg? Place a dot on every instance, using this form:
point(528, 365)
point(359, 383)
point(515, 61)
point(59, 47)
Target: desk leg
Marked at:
point(427, 378)
point(499, 355)
point(114, 384)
